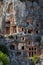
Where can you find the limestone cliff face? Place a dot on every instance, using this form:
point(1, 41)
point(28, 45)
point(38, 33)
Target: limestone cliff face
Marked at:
point(41, 3)
point(1, 13)
point(41, 9)
point(20, 9)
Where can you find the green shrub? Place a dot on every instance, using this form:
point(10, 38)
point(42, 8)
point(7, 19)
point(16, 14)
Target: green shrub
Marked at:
point(1, 63)
point(11, 37)
point(4, 49)
point(35, 58)
point(38, 39)
point(4, 59)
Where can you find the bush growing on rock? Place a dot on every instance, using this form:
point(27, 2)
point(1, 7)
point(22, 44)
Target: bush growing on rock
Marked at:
point(11, 37)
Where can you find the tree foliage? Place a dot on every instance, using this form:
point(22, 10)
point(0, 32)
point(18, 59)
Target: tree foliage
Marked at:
point(1, 63)
point(11, 37)
point(38, 39)
point(35, 58)
point(4, 49)
point(4, 59)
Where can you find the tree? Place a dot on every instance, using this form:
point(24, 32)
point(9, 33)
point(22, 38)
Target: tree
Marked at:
point(11, 37)
point(4, 59)
point(38, 39)
point(4, 49)
point(1, 63)
point(35, 58)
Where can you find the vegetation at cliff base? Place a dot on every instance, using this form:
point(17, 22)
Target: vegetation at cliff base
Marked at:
point(4, 59)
